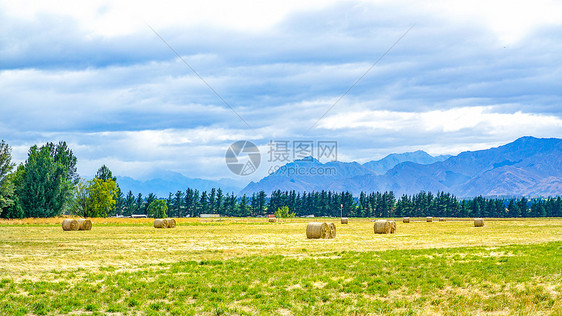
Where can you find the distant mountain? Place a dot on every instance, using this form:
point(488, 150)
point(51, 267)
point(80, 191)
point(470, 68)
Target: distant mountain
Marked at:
point(390, 161)
point(168, 181)
point(308, 175)
point(528, 166)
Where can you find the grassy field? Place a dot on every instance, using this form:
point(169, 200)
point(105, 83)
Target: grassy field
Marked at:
point(248, 266)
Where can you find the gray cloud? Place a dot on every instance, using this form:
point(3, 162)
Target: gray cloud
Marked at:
point(105, 95)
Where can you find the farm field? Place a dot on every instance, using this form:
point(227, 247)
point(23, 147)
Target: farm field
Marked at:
point(249, 266)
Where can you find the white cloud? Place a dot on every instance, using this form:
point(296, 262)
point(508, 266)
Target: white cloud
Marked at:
point(510, 20)
point(116, 18)
point(445, 121)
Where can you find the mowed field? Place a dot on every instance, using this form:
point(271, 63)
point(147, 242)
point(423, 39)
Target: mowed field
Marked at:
point(249, 266)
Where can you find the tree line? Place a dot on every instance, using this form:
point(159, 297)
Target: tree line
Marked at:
point(47, 184)
point(325, 203)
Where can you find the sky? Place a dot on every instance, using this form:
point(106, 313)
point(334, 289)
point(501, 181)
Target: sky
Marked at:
point(169, 85)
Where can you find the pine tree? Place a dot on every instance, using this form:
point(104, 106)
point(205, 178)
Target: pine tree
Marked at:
point(139, 205)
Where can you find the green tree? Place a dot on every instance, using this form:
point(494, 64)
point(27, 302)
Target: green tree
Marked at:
point(151, 197)
point(139, 205)
point(105, 174)
point(80, 202)
point(45, 185)
point(178, 203)
point(283, 212)
point(102, 197)
point(203, 203)
point(157, 209)
point(95, 198)
point(129, 204)
point(244, 206)
point(120, 203)
point(6, 185)
point(13, 209)
point(219, 202)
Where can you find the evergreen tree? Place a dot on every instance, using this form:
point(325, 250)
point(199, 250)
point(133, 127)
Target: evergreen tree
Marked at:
point(169, 203)
point(522, 207)
point(6, 185)
point(104, 173)
point(512, 210)
point(262, 200)
point(178, 204)
point(47, 179)
point(219, 202)
point(189, 201)
point(129, 204)
point(149, 199)
point(244, 206)
point(204, 203)
point(139, 205)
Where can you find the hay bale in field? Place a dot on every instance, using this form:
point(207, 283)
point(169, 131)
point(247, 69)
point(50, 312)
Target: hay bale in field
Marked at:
point(344, 220)
point(315, 230)
point(84, 224)
point(382, 226)
point(478, 222)
point(272, 219)
point(160, 223)
point(442, 219)
point(392, 227)
point(70, 224)
point(171, 222)
point(429, 219)
point(406, 220)
point(331, 230)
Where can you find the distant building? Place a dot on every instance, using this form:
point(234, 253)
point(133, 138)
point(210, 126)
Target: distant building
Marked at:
point(209, 215)
point(138, 216)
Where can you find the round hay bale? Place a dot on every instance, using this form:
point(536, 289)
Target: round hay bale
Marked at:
point(429, 219)
point(171, 222)
point(392, 227)
point(344, 220)
point(272, 219)
point(478, 222)
point(442, 219)
point(315, 230)
point(84, 224)
point(382, 226)
point(331, 230)
point(406, 220)
point(70, 224)
point(160, 223)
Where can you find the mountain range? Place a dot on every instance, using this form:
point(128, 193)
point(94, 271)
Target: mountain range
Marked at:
point(528, 166)
point(388, 162)
point(169, 181)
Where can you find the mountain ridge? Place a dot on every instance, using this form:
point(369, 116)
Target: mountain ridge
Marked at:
point(169, 181)
point(526, 166)
point(390, 161)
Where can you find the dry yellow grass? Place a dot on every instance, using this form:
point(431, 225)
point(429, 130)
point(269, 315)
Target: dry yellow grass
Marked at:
point(33, 245)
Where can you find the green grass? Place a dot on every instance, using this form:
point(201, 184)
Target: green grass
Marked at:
point(216, 269)
point(522, 279)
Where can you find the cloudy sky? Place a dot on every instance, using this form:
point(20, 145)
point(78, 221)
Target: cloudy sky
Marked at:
point(459, 75)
